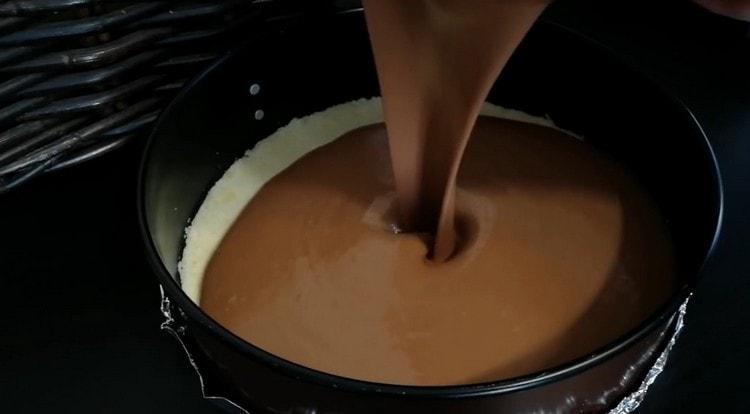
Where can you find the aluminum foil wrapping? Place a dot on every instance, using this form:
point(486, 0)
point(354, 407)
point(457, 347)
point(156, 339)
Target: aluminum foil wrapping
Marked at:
point(627, 405)
point(630, 403)
point(178, 331)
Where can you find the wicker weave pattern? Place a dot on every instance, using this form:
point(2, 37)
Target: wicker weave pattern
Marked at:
point(79, 78)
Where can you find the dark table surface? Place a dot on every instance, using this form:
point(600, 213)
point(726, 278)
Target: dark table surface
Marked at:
point(79, 318)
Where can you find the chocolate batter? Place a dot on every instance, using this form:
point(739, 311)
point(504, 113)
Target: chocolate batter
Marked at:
point(436, 61)
point(561, 252)
point(541, 252)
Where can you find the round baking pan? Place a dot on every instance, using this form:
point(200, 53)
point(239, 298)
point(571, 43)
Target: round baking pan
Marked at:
point(295, 67)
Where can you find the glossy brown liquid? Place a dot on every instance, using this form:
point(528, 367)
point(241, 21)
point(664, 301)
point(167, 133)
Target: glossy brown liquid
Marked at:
point(436, 61)
point(562, 253)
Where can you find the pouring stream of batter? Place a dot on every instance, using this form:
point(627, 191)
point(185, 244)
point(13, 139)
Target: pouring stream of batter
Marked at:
point(436, 62)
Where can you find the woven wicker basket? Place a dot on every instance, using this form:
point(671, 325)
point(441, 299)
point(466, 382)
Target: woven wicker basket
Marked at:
point(79, 78)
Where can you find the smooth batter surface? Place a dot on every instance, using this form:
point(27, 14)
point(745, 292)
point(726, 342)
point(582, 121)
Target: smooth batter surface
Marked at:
point(560, 252)
point(242, 180)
